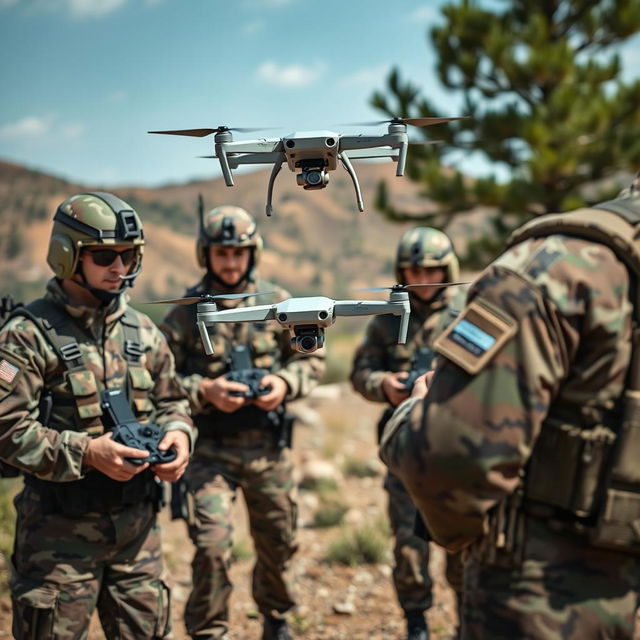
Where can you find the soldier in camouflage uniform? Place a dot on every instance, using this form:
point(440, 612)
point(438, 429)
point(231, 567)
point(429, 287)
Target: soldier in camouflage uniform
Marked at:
point(525, 450)
point(380, 367)
point(242, 443)
point(86, 532)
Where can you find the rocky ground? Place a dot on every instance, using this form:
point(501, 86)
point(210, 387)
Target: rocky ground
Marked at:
point(335, 601)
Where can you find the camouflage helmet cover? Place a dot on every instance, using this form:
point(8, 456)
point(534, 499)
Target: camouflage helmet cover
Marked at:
point(227, 226)
point(87, 219)
point(633, 189)
point(427, 247)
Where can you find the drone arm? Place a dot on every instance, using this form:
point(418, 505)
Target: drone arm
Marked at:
point(402, 158)
point(364, 308)
point(272, 178)
point(404, 324)
point(344, 158)
point(221, 154)
point(244, 314)
point(368, 142)
point(206, 340)
point(373, 153)
point(255, 158)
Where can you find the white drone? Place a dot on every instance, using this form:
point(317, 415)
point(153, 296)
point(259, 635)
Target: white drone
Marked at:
point(311, 154)
point(305, 318)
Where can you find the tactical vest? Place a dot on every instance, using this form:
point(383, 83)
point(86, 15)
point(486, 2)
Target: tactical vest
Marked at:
point(584, 471)
point(71, 400)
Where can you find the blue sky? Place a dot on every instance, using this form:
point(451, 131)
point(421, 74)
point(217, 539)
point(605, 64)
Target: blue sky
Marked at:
point(84, 80)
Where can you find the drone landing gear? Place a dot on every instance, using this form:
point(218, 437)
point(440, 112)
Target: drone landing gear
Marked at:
point(346, 163)
point(272, 178)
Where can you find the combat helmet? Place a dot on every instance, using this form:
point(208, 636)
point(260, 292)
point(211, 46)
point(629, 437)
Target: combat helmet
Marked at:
point(90, 219)
point(227, 226)
point(427, 247)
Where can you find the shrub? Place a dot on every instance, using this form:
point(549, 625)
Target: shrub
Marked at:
point(363, 545)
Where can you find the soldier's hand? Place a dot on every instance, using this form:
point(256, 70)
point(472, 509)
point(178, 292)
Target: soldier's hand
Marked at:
point(108, 456)
point(216, 391)
point(421, 385)
point(393, 387)
point(172, 471)
point(276, 396)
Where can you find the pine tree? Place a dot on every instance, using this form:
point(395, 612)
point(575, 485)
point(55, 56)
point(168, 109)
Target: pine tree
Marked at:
point(541, 82)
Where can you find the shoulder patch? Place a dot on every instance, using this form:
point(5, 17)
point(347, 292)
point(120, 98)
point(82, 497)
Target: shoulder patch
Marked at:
point(475, 336)
point(11, 368)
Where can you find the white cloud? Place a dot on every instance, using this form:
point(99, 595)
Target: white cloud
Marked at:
point(92, 8)
point(27, 127)
point(41, 129)
point(253, 27)
point(367, 77)
point(118, 96)
point(294, 75)
point(425, 13)
point(73, 130)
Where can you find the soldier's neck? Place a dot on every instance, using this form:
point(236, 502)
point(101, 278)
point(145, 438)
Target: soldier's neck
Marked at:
point(78, 295)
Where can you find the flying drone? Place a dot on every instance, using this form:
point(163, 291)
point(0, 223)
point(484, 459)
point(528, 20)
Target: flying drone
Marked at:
point(306, 318)
point(311, 154)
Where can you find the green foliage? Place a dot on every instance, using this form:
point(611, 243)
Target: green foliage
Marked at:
point(358, 468)
point(321, 486)
point(330, 512)
point(241, 550)
point(541, 83)
point(362, 545)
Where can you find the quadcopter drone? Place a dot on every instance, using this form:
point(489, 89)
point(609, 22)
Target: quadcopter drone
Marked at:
point(306, 318)
point(312, 154)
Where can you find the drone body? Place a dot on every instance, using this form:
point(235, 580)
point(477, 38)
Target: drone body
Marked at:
point(305, 318)
point(311, 155)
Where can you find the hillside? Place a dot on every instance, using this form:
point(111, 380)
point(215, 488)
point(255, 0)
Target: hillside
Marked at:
point(316, 242)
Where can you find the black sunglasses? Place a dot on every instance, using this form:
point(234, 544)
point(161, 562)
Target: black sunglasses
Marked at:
point(106, 257)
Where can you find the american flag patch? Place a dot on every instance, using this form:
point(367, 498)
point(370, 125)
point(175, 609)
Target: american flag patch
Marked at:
point(8, 371)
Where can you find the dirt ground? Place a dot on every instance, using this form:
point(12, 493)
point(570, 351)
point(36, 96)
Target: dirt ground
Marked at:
point(337, 426)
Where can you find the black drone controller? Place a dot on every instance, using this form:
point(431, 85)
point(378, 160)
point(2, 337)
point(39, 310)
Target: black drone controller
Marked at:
point(242, 370)
point(422, 362)
point(119, 418)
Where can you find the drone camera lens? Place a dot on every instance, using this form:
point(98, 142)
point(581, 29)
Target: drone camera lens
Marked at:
point(308, 343)
point(290, 144)
point(330, 142)
point(314, 177)
point(323, 315)
point(282, 317)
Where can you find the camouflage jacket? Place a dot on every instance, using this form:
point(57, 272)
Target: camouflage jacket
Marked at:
point(379, 353)
point(270, 346)
point(561, 317)
point(55, 451)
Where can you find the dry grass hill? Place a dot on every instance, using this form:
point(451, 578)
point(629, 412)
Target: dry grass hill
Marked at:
point(316, 242)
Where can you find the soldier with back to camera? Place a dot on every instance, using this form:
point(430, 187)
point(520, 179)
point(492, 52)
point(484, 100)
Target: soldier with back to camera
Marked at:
point(380, 371)
point(525, 450)
point(86, 533)
point(243, 442)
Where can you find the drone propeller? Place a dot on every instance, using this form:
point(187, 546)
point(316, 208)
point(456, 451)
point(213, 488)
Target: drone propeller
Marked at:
point(417, 122)
point(405, 287)
point(201, 133)
point(207, 297)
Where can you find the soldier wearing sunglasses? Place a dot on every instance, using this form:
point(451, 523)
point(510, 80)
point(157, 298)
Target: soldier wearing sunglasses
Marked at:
point(86, 532)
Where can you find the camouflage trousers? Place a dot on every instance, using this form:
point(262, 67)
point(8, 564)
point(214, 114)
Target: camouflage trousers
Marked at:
point(411, 553)
point(264, 474)
point(561, 588)
point(64, 567)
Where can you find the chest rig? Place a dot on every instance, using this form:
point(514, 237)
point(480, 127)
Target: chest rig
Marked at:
point(584, 471)
point(71, 398)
